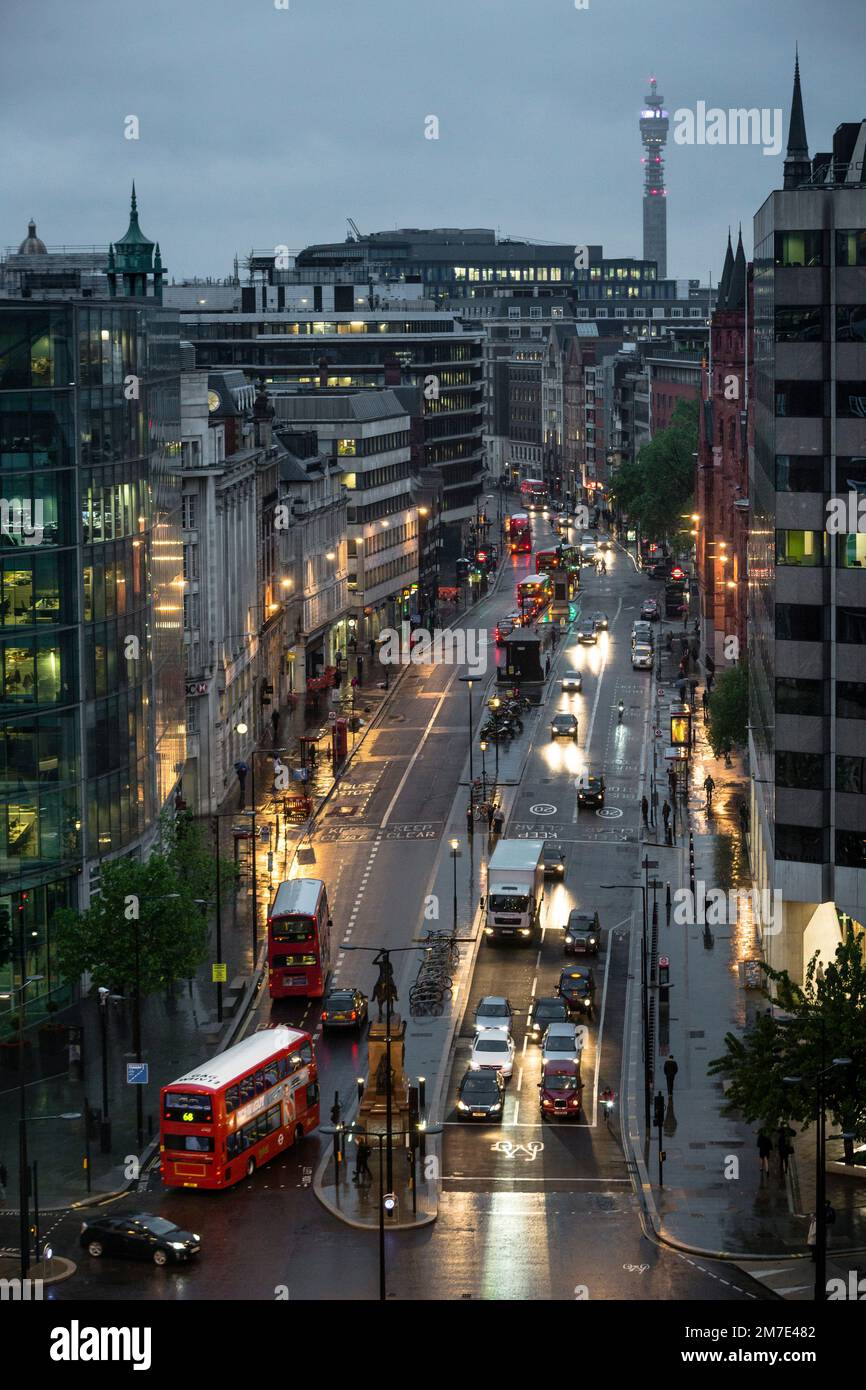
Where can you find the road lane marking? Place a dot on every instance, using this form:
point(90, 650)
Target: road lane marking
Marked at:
point(411, 763)
point(519, 1078)
point(533, 989)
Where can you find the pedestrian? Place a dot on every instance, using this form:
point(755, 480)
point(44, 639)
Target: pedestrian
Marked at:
point(546, 667)
point(360, 670)
point(711, 680)
point(362, 1160)
point(672, 785)
point(695, 651)
point(4, 1178)
point(372, 646)
point(683, 667)
point(765, 1148)
point(666, 814)
point(242, 769)
point(812, 1237)
point(275, 724)
point(670, 1071)
point(498, 821)
point(784, 1148)
point(744, 818)
point(644, 809)
point(685, 613)
point(705, 701)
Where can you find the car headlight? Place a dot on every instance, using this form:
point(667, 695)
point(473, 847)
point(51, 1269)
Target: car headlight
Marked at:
point(497, 1106)
point(475, 1066)
point(461, 1105)
point(524, 931)
point(488, 931)
point(177, 1244)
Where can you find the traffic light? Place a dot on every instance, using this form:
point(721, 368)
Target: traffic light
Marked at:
point(659, 1110)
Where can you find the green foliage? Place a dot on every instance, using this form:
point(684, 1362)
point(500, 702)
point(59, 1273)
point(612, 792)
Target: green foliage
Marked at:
point(656, 488)
point(827, 1020)
point(163, 903)
point(727, 725)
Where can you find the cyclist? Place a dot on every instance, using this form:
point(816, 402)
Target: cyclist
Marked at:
point(607, 1097)
point(709, 788)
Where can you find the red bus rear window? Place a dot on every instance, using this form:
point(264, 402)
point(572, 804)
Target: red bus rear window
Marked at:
point(192, 1108)
point(189, 1143)
point(293, 928)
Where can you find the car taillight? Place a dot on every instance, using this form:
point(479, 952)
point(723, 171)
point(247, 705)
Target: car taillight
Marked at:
point(324, 1014)
point(353, 1014)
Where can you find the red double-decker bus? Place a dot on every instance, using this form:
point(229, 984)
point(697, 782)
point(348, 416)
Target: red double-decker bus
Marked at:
point(547, 560)
point(533, 596)
point(518, 533)
point(534, 494)
point(224, 1119)
point(299, 940)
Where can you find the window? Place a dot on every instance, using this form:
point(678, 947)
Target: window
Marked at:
point(801, 842)
point(851, 248)
point(851, 775)
point(851, 551)
point(347, 448)
point(800, 325)
point(801, 473)
point(676, 313)
point(851, 323)
point(583, 313)
point(190, 509)
point(798, 249)
point(189, 1143)
point(800, 770)
point(799, 622)
point(534, 311)
point(851, 848)
point(803, 697)
point(231, 1100)
point(851, 625)
point(601, 313)
point(514, 311)
point(851, 399)
point(620, 313)
point(804, 399)
point(851, 699)
point(182, 1106)
point(804, 548)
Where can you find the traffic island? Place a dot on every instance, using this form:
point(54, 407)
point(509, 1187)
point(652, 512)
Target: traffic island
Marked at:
point(40, 1274)
point(365, 1201)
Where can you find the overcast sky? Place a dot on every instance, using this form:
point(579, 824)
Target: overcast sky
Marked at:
point(262, 126)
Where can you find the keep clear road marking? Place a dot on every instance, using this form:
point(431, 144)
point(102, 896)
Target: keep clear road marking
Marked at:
point(411, 763)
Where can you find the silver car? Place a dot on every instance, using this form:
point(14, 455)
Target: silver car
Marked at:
point(562, 1043)
point(642, 657)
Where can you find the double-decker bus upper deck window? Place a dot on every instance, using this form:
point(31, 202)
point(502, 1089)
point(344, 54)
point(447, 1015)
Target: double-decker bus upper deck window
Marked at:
point(231, 1100)
point(282, 1068)
point(302, 1057)
point(293, 928)
point(271, 1076)
point(194, 1109)
point(246, 1089)
point(260, 1082)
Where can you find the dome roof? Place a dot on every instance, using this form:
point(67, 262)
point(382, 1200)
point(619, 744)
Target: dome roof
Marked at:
point(32, 245)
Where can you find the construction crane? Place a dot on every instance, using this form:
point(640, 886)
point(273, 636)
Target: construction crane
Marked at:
point(353, 227)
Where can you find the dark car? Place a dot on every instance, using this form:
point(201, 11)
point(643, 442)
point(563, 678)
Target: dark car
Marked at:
point(545, 1010)
point(590, 791)
point(139, 1237)
point(599, 621)
point(481, 1096)
point(344, 1008)
point(660, 570)
point(563, 726)
point(587, 634)
point(561, 1091)
point(553, 856)
point(582, 933)
point(577, 988)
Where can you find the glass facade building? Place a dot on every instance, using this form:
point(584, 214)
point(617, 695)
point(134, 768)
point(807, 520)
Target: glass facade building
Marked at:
point(90, 602)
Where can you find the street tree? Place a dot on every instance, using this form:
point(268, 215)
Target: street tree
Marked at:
point(823, 1019)
point(728, 718)
point(656, 488)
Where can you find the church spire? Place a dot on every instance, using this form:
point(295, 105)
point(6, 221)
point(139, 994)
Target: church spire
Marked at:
point(737, 291)
point(797, 166)
point(727, 272)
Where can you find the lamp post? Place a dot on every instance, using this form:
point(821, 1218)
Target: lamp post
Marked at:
point(468, 682)
point(105, 996)
point(820, 1172)
point(483, 746)
point(242, 729)
point(496, 705)
point(455, 855)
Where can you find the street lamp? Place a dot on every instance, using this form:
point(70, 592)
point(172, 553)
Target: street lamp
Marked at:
point(455, 855)
point(820, 1172)
point(483, 746)
point(468, 681)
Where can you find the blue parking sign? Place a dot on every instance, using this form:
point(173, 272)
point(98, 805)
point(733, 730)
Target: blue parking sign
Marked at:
point(136, 1074)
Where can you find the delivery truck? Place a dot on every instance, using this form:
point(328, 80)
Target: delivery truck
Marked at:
point(515, 889)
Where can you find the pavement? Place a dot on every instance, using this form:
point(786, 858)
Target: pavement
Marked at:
point(715, 1201)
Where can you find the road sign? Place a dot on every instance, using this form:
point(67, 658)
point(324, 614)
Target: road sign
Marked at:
point(609, 812)
point(136, 1074)
point(543, 808)
point(219, 973)
point(663, 961)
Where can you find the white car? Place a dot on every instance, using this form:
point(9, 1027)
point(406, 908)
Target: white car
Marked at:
point(642, 657)
point(493, 1012)
point(571, 681)
point(562, 1043)
point(492, 1050)
point(641, 632)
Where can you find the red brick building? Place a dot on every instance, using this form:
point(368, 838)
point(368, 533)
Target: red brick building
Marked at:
point(722, 481)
